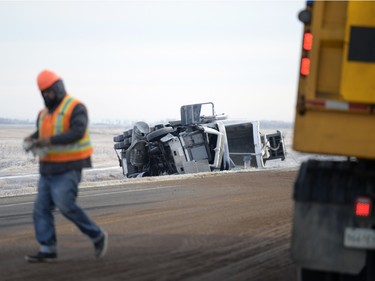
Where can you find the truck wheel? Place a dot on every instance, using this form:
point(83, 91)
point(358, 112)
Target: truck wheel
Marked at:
point(118, 138)
point(124, 144)
point(158, 134)
point(128, 133)
point(118, 145)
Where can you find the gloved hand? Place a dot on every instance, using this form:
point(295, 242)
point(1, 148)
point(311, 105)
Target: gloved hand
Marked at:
point(43, 142)
point(28, 143)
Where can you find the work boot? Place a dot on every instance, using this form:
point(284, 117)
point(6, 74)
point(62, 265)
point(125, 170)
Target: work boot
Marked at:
point(101, 246)
point(41, 257)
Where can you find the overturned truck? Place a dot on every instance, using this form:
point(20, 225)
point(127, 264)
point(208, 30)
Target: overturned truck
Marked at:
point(200, 142)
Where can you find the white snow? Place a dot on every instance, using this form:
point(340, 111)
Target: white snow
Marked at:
point(19, 170)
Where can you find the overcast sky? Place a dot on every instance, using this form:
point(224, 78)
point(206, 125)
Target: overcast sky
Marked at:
point(142, 60)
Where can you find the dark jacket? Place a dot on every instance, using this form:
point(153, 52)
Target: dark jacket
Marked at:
point(78, 124)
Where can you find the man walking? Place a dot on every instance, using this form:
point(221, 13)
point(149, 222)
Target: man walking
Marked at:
point(62, 132)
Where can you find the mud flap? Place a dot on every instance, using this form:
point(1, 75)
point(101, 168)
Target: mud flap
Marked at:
point(324, 194)
point(318, 239)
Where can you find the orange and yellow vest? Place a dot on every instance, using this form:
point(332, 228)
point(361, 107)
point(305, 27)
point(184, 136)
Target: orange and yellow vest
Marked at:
point(57, 122)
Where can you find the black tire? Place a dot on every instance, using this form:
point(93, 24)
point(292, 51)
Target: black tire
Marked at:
point(118, 138)
point(128, 133)
point(158, 134)
point(118, 145)
point(123, 145)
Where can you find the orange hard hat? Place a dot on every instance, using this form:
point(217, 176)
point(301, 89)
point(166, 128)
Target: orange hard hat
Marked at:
point(46, 79)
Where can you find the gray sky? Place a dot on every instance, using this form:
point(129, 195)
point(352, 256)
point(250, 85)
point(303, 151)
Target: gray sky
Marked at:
point(142, 60)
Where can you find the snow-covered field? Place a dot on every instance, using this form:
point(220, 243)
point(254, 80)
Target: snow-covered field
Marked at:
point(19, 170)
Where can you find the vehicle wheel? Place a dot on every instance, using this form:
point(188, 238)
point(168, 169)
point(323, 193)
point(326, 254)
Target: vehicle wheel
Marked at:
point(158, 134)
point(118, 138)
point(124, 144)
point(128, 133)
point(118, 145)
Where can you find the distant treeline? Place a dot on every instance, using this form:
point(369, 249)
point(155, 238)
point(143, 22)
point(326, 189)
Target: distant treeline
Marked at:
point(264, 124)
point(15, 121)
point(275, 124)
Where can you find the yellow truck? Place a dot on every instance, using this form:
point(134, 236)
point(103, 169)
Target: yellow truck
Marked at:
point(333, 232)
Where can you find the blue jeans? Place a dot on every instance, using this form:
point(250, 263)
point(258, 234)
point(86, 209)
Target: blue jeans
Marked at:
point(60, 191)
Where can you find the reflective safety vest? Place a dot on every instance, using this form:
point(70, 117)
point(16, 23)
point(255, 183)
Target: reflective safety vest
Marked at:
point(59, 122)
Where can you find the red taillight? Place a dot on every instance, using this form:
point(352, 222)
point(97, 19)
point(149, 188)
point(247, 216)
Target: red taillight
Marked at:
point(305, 66)
point(307, 41)
point(363, 207)
point(307, 46)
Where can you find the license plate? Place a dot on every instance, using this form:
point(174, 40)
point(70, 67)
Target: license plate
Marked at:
point(360, 238)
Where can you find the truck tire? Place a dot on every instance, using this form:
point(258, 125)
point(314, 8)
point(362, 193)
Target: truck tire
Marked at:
point(118, 138)
point(118, 145)
point(128, 133)
point(124, 144)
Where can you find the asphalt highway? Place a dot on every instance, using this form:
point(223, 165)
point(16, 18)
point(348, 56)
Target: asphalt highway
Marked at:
point(220, 226)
